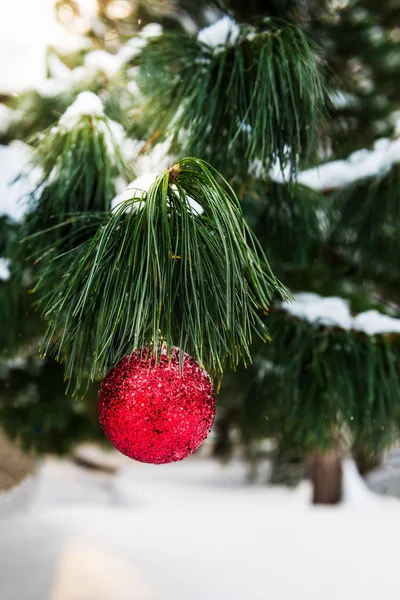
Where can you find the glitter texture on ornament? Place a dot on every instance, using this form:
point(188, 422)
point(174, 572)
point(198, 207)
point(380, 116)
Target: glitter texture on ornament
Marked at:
point(154, 412)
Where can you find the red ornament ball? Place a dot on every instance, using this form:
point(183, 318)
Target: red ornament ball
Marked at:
point(152, 411)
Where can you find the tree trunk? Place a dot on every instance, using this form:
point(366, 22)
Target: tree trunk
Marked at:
point(326, 475)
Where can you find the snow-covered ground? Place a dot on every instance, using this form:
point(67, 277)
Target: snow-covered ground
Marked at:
point(194, 531)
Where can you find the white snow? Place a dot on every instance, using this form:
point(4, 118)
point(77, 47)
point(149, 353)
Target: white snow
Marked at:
point(4, 269)
point(373, 322)
point(143, 182)
point(133, 89)
point(25, 30)
point(96, 61)
point(18, 499)
point(88, 104)
point(194, 531)
point(114, 136)
point(195, 206)
point(135, 189)
point(18, 362)
point(151, 30)
point(97, 457)
point(361, 164)
point(141, 185)
point(14, 159)
point(111, 64)
point(26, 69)
point(67, 42)
point(57, 68)
point(85, 104)
point(147, 165)
point(197, 209)
point(330, 311)
point(57, 85)
point(223, 32)
point(107, 63)
point(355, 491)
point(130, 50)
point(116, 130)
point(335, 312)
point(51, 87)
point(343, 99)
point(100, 60)
point(156, 160)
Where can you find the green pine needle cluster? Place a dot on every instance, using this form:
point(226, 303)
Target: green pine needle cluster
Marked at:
point(35, 410)
point(158, 272)
point(79, 169)
point(258, 101)
point(313, 383)
point(290, 212)
point(326, 377)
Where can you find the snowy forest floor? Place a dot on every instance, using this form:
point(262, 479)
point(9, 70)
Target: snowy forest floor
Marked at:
point(192, 531)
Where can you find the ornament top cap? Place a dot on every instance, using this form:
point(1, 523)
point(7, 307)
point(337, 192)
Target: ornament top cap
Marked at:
point(173, 173)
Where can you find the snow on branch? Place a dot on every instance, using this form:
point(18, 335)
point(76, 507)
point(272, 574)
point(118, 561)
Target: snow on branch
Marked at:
point(335, 312)
point(223, 32)
point(359, 165)
point(86, 104)
point(138, 189)
point(135, 189)
point(110, 64)
point(148, 165)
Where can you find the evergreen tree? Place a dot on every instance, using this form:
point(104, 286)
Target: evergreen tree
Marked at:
point(267, 93)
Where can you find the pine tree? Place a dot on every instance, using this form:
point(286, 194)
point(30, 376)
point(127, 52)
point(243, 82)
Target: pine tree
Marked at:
point(264, 93)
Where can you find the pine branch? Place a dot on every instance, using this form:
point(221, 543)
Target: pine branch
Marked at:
point(326, 377)
point(259, 98)
point(312, 379)
point(35, 411)
point(157, 272)
point(80, 165)
point(290, 212)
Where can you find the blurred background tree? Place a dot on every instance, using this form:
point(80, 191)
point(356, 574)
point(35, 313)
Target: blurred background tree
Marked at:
point(315, 165)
